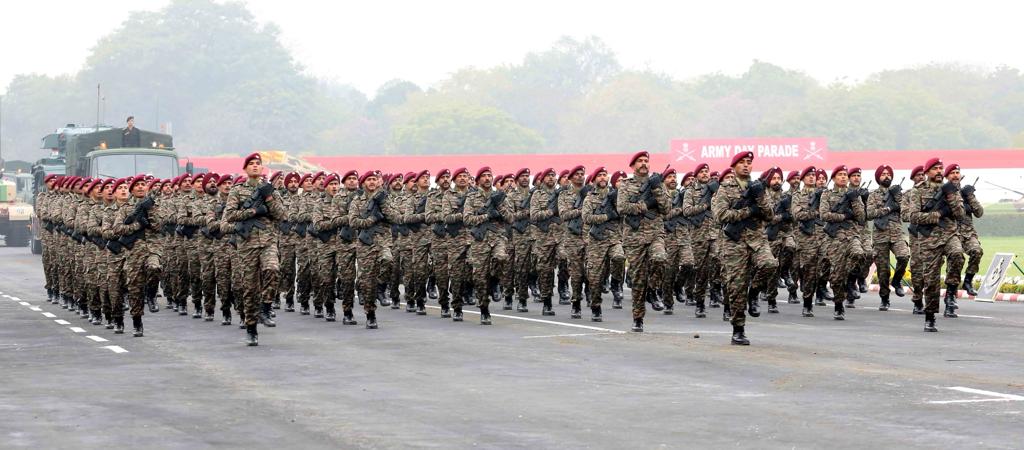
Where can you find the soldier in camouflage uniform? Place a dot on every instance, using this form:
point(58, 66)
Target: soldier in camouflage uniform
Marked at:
point(808, 237)
point(417, 263)
point(825, 264)
point(883, 209)
point(741, 206)
point(570, 204)
point(603, 237)
point(301, 217)
point(697, 210)
point(642, 202)
point(42, 207)
point(439, 238)
point(325, 224)
point(370, 215)
point(224, 252)
point(114, 230)
point(190, 216)
point(202, 208)
point(457, 241)
point(965, 228)
point(288, 240)
point(522, 240)
point(793, 271)
point(250, 208)
point(778, 233)
point(142, 262)
point(936, 208)
point(399, 242)
point(858, 280)
point(346, 251)
point(841, 208)
point(543, 215)
point(678, 245)
point(917, 177)
point(486, 213)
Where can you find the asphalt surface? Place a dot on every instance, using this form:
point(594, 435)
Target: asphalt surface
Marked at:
point(874, 380)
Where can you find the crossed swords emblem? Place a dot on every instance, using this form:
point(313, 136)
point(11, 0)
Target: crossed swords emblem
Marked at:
point(685, 153)
point(814, 151)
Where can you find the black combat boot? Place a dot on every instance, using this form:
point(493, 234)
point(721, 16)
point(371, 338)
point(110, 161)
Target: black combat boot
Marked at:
point(137, 326)
point(968, 284)
point(209, 316)
point(617, 294)
point(521, 307)
point(198, 308)
point(699, 311)
point(577, 311)
point(949, 311)
point(534, 291)
point(716, 295)
point(445, 312)
point(421, 307)
point(227, 317)
point(457, 314)
point(793, 299)
point(331, 315)
point(252, 337)
point(852, 293)
point(97, 317)
point(410, 306)
point(808, 310)
point(773, 307)
point(265, 315)
point(897, 287)
point(277, 303)
point(753, 305)
point(347, 318)
point(508, 304)
point(638, 326)
point(840, 312)
point(485, 315)
point(678, 292)
point(547, 310)
point(382, 295)
point(432, 287)
point(470, 297)
point(151, 301)
point(563, 291)
point(119, 325)
point(289, 305)
point(63, 301)
point(862, 285)
point(595, 314)
point(819, 296)
point(738, 336)
point(304, 308)
point(318, 311)
point(951, 295)
point(396, 303)
point(929, 323)
point(669, 310)
point(918, 307)
point(885, 303)
point(652, 298)
point(109, 320)
point(726, 312)
point(182, 308)
point(371, 320)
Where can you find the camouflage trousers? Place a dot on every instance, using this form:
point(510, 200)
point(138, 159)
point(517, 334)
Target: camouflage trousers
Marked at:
point(179, 267)
point(400, 251)
point(458, 269)
point(439, 266)
point(103, 289)
point(867, 243)
point(286, 247)
point(48, 259)
point(305, 258)
point(603, 257)
point(375, 263)
point(646, 265)
point(678, 266)
point(193, 254)
point(117, 286)
point(417, 268)
point(972, 246)
point(846, 255)
point(881, 260)
point(783, 249)
point(808, 249)
point(208, 273)
point(916, 270)
point(237, 280)
point(488, 259)
point(326, 273)
point(574, 250)
point(704, 251)
point(521, 264)
point(933, 252)
point(745, 265)
point(545, 250)
point(141, 265)
point(346, 264)
point(223, 272)
point(259, 262)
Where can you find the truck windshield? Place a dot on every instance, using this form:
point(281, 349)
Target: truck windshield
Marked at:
point(118, 166)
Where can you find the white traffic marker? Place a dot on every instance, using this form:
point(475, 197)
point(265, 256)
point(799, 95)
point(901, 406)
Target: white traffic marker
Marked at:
point(974, 317)
point(116, 349)
point(549, 322)
point(49, 315)
point(97, 338)
point(567, 335)
point(77, 330)
point(35, 308)
point(999, 396)
point(62, 322)
point(24, 303)
point(15, 299)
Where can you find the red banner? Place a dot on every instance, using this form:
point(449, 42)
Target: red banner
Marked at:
point(782, 152)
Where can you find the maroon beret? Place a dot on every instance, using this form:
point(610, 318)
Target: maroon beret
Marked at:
point(917, 170)
point(224, 179)
point(714, 174)
point(839, 168)
point(481, 171)
point(563, 174)
point(880, 169)
point(578, 169)
point(304, 178)
point(616, 176)
point(521, 172)
point(932, 163)
point(686, 176)
point(292, 176)
point(368, 174)
point(854, 170)
point(637, 155)
point(595, 173)
point(135, 180)
point(459, 171)
point(273, 176)
point(950, 168)
point(544, 173)
point(423, 173)
point(317, 175)
point(441, 173)
point(739, 157)
point(253, 156)
point(668, 171)
point(92, 184)
point(351, 173)
point(724, 173)
point(701, 167)
point(410, 176)
point(807, 170)
point(792, 174)
point(119, 182)
point(330, 178)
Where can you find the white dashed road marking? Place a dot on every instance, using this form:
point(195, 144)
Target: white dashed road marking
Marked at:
point(116, 349)
point(998, 396)
point(96, 338)
point(62, 322)
point(549, 322)
point(77, 330)
point(49, 315)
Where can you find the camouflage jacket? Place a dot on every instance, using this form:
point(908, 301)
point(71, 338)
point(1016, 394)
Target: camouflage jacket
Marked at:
point(889, 230)
point(594, 200)
point(707, 230)
point(847, 226)
point(945, 227)
point(723, 208)
point(234, 212)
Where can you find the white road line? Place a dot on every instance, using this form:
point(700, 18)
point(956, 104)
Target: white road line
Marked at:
point(1000, 397)
point(567, 335)
point(97, 338)
point(15, 299)
point(77, 330)
point(549, 322)
point(116, 349)
point(35, 308)
point(24, 303)
point(62, 322)
point(974, 317)
point(50, 315)
point(8, 296)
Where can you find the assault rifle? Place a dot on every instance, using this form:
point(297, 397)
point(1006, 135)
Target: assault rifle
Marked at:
point(575, 226)
point(782, 210)
point(892, 203)
point(844, 207)
point(258, 202)
point(748, 199)
point(552, 206)
point(937, 203)
point(373, 210)
point(645, 196)
point(521, 224)
point(479, 232)
point(608, 207)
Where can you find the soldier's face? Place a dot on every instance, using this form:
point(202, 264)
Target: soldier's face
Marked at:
point(444, 182)
point(577, 177)
point(822, 181)
point(601, 180)
point(742, 168)
point(197, 184)
point(293, 185)
point(523, 180)
point(935, 174)
point(775, 181)
point(371, 183)
point(794, 183)
point(687, 182)
point(485, 180)
point(855, 180)
point(121, 194)
point(307, 185)
point(423, 183)
point(918, 178)
point(185, 186)
point(224, 187)
point(351, 183)
point(642, 166)
point(704, 175)
point(462, 180)
point(885, 178)
point(254, 168)
point(670, 181)
point(841, 179)
point(108, 193)
point(319, 183)
point(168, 189)
point(549, 180)
point(728, 177)
point(332, 188)
point(954, 176)
point(139, 190)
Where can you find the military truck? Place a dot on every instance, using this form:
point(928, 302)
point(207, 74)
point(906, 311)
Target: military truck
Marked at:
point(96, 152)
point(15, 208)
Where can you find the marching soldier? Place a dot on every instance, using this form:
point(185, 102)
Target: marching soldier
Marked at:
point(370, 215)
point(458, 241)
point(518, 200)
point(325, 224)
point(570, 202)
point(778, 233)
point(697, 211)
point(883, 210)
point(968, 235)
point(808, 236)
point(603, 239)
point(543, 216)
point(440, 241)
point(917, 177)
point(346, 253)
point(485, 212)
point(287, 241)
point(641, 201)
point(841, 208)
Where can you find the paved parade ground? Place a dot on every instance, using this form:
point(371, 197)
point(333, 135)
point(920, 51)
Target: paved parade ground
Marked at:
point(874, 380)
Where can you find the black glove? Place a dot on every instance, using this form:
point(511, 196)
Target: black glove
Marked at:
point(967, 191)
point(179, 230)
point(756, 188)
point(895, 190)
point(493, 214)
point(379, 197)
point(144, 222)
point(613, 214)
point(949, 188)
point(261, 210)
point(852, 194)
point(713, 186)
point(265, 190)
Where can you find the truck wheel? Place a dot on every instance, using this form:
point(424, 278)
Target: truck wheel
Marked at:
point(37, 247)
point(17, 235)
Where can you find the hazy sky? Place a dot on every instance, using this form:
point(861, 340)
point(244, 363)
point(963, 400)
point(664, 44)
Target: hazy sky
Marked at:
point(368, 43)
